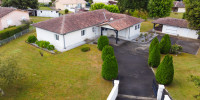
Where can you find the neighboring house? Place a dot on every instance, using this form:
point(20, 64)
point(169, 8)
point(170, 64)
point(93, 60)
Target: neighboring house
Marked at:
point(48, 13)
point(179, 6)
point(105, 1)
point(72, 30)
point(11, 17)
point(44, 1)
point(71, 5)
point(176, 27)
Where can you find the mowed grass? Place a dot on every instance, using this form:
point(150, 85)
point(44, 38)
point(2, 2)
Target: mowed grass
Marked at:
point(176, 15)
point(35, 19)
point(146, 26)
point(44, 8)
point(72, 75)
point(184, 65)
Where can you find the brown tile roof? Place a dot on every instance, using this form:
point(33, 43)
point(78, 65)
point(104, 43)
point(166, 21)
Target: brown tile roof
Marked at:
point(5, 10)
point(172, 22)
point(71, 1)
point(73, 22)
point(179, 4)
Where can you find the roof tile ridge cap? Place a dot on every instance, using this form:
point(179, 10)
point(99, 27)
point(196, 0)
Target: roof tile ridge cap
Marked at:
point(63, 24)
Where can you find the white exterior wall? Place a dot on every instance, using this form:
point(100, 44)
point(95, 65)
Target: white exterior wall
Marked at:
point(44, 1)
point(181, 10)
point(47, 13)
point(50, 36)
point(102, 1)
point(74, 39)
point(183, 32)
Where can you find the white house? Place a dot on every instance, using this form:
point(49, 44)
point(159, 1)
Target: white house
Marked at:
point(12, 17)
point(105, 1)
point(71, 5)
point(71, 30)
point(48, 13)
point(179, 6)
point(176, 27)
point(44, 1)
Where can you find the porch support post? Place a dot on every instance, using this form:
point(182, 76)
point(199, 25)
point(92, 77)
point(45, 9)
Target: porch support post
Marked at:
point(102, 31)
point(116, 31)
point(154, 25)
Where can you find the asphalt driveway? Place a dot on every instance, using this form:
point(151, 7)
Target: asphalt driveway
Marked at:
point(134, 74)
point(189, 45)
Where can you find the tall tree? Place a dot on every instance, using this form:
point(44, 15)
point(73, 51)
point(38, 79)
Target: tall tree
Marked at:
point(160, 8)
point(21, 4)
point(193, 14)
point(132, 5)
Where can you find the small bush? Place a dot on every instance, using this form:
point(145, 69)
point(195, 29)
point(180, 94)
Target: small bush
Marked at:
point(175, 49)
point(85, 49)
point(165, 71)
point(32, 39)
point(66, 11)
point(102, 41)
point(43, 44)
point(110, 68)
point(107, 50)
point(50, 47)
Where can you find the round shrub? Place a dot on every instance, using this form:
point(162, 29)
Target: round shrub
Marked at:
point(165, 44)
point(66, 11)
point(109, 68)
point(102, 41)
point(175, 49)
point(85, 49)
point(32, 39)
point(165, 71)
point(50, 47)
point(43, 44)
point(154, 56)
point(107, 50)
point(153, 43)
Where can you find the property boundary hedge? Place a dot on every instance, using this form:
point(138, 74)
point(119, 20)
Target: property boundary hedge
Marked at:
point(8, 32)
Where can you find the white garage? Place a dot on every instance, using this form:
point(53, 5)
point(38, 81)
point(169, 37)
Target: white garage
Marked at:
point(175, 27)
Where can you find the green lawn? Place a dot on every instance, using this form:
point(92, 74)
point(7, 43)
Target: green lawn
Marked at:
point(176, 15)
point(72, 75)
point(45, 8)
point(38, 19)
point(182, 88)
point(146, 26)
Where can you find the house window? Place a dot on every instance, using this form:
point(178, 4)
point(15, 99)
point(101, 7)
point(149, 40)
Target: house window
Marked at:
point(139, 26)
point(41, 11)
point(82, 32)
point(93, 29)
point(57, 37)
point(66, 5)
point(135, 27)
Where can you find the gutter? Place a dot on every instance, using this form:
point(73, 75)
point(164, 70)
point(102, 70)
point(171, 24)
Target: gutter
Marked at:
point(64, 41)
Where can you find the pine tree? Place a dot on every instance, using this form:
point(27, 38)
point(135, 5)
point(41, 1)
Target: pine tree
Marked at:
point(153, 43)
point(154, 56)
point(165, 44)
point(107, 50)
point(102, 41)
point(109, 68)
point(160, 8)
point(165, 71)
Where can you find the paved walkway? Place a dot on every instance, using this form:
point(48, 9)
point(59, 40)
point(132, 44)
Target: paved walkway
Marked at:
point(134, 74)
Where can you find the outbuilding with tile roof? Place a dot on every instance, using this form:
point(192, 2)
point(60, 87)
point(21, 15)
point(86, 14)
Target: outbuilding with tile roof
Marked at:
point(71, 30)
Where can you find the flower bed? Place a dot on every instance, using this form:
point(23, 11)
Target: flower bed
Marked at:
point(145, 37)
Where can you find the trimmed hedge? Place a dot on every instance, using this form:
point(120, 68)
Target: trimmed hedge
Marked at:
point(85, 49)
point(31, 39)
point(8, 32)
point(102, 41)
point(165, 44)
point(153, 43)
point(165, 71)
point(110, 68)
point(107, 50)
point(154, 56)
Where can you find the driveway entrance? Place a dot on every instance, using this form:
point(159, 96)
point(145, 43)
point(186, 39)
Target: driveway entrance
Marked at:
point(135, 76)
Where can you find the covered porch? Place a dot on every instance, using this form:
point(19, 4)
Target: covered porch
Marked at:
point(157, 27)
